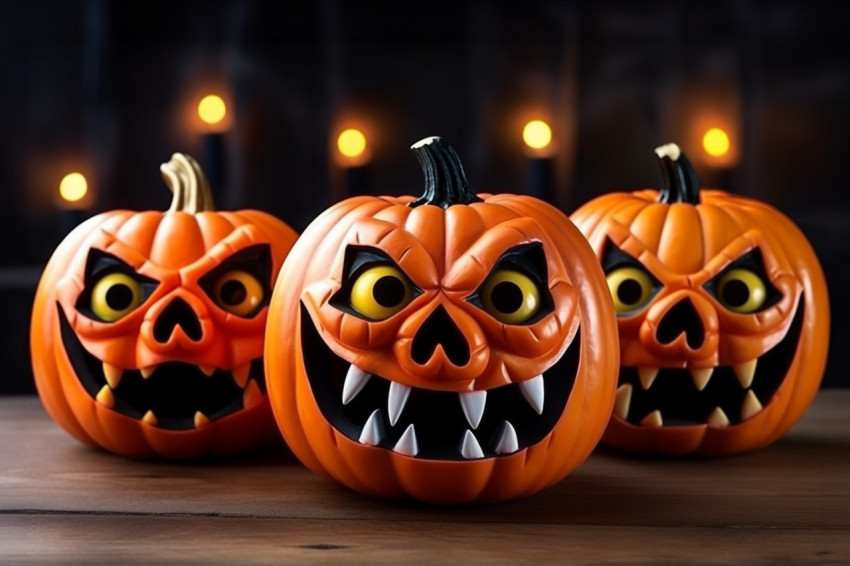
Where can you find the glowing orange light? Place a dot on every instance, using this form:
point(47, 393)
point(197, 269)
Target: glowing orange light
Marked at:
point(73, 187)
point(211, 109)
point(351, 143)
point(537, 134)
point(715, 142)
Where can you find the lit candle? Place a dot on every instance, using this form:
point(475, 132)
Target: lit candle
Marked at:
point(212, 112)
point(718, 154)
point(353, 156)
point(74, 199)
point(537, 136)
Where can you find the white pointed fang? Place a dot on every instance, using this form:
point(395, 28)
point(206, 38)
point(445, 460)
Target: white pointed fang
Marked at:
point(472, 403)
point(355, 380)
point(373, 430)
point(718, 418)
point(112, 374)
point(150, 419)
point(240, 374)
point(652, 419)
point(105, 398)
point(208, 370)
point(407, 444)
point(745, 372)
point(647, 376)
point(751, 406)
point(532, 390)
point(508, 443)
point(201, 419)
point(623, 401)
point(147, 372)
point(396, 400)
point(701, 376)
point(469, 447)
point(251, 394)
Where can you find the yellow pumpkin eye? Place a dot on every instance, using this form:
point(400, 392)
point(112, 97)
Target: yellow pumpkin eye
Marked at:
point(238, 292)
point(630, 287)
point(114, 296)
point(380, 292)
point(510, 297)
point(741, 291)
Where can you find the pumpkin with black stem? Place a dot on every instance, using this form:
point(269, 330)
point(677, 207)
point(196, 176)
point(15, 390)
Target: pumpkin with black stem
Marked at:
point(147, 327)
point(723, 315)
point(451, 348)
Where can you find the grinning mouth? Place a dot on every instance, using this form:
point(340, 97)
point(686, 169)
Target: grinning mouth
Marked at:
point(171, 395)
point(437, 425)
point(721, 396)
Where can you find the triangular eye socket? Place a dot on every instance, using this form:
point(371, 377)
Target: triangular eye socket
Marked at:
point(743, 286)
point(631, 285)
point(374, 287)
point(112, 288)
point(241, 284)
point(516, 291)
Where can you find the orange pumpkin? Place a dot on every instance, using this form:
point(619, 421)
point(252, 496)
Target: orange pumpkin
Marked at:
point(451, 348)
point(723, 315)
point(147, 327)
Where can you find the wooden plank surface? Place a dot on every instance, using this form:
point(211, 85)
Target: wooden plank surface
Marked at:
point(61, 502)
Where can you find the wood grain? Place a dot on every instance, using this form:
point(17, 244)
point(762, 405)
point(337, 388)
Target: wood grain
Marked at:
point(61, 502)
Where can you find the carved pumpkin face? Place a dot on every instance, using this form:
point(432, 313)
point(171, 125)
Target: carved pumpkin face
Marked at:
point(450, 348)
point(723, 316)
point(147, 329)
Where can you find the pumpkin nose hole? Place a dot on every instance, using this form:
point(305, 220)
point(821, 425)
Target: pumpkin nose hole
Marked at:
point(683, 317)
point(177, 313)
point(440, 329)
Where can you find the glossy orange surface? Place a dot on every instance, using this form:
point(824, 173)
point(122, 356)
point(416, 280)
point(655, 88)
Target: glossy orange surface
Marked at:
point(180, 325)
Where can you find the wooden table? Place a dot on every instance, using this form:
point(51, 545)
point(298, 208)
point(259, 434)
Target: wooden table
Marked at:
point(63, 503)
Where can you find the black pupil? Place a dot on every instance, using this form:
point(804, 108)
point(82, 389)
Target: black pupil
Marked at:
point(506, 297)
point(119, 297)
point(388, 291)
point(735, 293)
point(629, 292)
point(233, 293)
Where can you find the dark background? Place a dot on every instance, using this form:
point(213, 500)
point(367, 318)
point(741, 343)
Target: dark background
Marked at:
point(108, 87)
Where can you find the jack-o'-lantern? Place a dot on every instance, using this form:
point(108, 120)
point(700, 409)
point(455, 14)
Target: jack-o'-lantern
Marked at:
point(723, 315)
point(147, 327)
point(450, 348)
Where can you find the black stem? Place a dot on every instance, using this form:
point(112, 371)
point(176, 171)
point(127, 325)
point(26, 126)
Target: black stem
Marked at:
point(445, 179)
point(680, 180)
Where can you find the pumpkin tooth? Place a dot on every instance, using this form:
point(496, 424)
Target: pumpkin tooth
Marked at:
point(240, 374)
point(355, 380)
point(150, 419)
point(745, 372)
point(623, 401)
point(407, 444)
point(751, 405)
point(653, 419)
point(112, 374)
point(508, 443)
point(105, 397)
point(473, 403)
point(208, 370)
point(396, 400)
point(147, 372)
point(532, 390)
point(647, 376)
point(201, 419)
point(373, 431)
point(469, 447)
point(252, 394)
point(718, 418)
point(701, 377)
